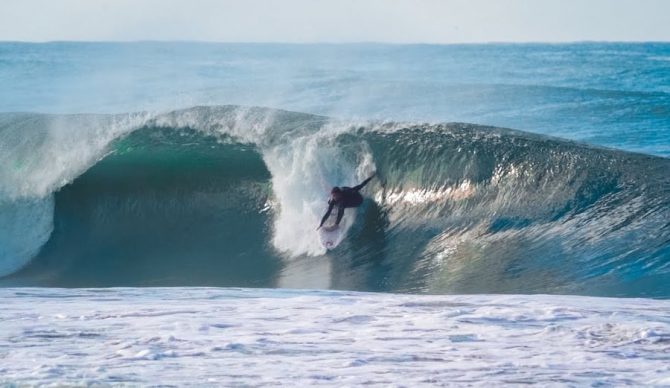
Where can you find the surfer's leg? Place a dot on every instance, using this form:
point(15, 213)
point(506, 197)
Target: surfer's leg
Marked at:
point(340, 214)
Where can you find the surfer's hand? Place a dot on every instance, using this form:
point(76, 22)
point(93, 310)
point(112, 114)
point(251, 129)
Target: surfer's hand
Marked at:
point(318, 228)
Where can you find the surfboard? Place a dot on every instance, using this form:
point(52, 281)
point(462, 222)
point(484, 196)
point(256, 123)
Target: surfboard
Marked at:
point(332, 235)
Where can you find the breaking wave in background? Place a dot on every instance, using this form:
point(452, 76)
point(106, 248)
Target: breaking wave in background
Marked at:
point(231, 196)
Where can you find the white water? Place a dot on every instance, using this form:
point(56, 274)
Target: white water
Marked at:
point(187, 336)
point(43, 153)
point(303, 173)
point(305, 164)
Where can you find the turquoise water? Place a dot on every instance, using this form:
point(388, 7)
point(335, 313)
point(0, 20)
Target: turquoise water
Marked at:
point(138, 164)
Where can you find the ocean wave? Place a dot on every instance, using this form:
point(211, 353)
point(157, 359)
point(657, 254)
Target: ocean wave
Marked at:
point(230, 196)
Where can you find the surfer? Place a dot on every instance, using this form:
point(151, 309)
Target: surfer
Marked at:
point(344, 197)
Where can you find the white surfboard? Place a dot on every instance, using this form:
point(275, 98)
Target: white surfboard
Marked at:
point(332, 235)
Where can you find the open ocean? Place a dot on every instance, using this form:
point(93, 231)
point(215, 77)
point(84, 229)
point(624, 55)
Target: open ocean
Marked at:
point(158, 201)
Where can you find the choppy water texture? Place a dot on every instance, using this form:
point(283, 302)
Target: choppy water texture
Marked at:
point(276, 337)
point(227, 195)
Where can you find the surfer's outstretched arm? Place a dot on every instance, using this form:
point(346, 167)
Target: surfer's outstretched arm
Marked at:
point(331, 204)
point(365, 182)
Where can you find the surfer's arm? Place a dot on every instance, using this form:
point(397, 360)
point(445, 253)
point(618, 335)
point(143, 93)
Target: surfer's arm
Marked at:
point(331, 204)
point(340, 213)
point(365, 182)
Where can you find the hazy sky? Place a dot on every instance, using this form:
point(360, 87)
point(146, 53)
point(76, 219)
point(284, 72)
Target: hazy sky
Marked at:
point(402, 21)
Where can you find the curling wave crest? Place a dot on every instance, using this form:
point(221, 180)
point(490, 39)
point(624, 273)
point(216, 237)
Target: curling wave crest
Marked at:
point(230, 196)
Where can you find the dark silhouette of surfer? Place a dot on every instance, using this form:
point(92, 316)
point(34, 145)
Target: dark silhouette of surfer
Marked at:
point(344, 197)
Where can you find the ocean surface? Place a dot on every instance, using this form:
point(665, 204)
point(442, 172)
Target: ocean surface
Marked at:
point(500, 169)
point(259, 337)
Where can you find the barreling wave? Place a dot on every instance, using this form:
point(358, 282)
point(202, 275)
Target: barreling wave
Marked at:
point(230, 196)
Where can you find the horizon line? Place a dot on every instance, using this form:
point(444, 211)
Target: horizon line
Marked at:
point(334, 43)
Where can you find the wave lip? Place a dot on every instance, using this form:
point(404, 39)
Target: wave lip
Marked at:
point(231, 196)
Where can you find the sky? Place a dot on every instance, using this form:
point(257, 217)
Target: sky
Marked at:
point(336, 21)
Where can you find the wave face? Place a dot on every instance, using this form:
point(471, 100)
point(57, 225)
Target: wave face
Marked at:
point(230, 196)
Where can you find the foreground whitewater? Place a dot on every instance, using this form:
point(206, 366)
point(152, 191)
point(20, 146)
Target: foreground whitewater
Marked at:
point(219, 336)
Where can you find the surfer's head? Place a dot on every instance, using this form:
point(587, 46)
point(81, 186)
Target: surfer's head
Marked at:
point(336, 193)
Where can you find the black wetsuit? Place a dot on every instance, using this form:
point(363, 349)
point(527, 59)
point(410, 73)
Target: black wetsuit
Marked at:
point(349, 197)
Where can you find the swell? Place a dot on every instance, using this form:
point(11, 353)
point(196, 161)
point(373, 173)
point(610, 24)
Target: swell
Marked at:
point(227, 196)
point(585, 90)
